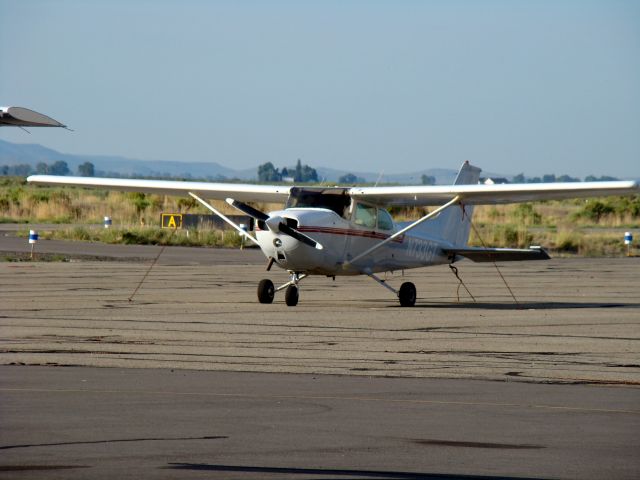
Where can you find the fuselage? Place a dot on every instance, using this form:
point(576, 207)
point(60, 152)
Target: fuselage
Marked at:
point(345, 238)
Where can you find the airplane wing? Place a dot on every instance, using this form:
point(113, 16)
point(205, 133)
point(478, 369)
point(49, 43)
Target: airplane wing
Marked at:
point(491, 194)
point(214, 191)
point(23, 117)
point(473, 194)
point(498, 254)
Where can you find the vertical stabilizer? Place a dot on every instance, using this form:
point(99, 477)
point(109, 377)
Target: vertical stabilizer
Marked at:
point(453, 225)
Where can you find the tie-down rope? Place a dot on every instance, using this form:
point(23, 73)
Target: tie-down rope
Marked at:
point(155, 260)
point(455, 272)
point(484, 245)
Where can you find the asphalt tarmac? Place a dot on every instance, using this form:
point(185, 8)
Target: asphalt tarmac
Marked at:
point(207, 383)
point(128, 423)
point(12, 247)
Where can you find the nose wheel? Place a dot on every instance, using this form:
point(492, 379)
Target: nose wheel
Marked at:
point(291, 296)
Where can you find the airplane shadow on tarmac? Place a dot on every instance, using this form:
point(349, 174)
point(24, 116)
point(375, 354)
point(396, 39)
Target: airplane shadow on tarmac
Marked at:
point(326, 474)
point(525, 305)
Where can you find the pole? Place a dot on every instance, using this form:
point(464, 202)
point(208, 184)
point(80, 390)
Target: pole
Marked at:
point(244, 228)
point(33, 238)
point(628, 238)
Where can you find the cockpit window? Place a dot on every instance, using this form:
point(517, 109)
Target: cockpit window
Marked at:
point(365, 215)
point(385, 222)
point(337, 201)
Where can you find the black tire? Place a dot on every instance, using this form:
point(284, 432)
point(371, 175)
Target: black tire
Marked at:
point(291, 296)
point(266, 291)
point(407, 294)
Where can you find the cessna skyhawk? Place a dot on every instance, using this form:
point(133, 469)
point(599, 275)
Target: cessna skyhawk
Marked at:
point(348, 231)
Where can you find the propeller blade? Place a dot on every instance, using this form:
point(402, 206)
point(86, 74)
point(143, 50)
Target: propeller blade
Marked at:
point(292, 232)
point(243, 207)
point(281, 226)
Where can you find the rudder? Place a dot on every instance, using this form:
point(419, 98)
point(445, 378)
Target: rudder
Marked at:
point(453, 225)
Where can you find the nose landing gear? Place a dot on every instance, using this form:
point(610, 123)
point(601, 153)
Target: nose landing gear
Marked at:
point(266, 290)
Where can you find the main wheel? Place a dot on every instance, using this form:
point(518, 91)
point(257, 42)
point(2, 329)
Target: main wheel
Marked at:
point(266, 291)
point(291, 296)
point(407, 294)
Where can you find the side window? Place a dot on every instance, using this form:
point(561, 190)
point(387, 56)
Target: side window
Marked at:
point(365, 216)
point(385, 222)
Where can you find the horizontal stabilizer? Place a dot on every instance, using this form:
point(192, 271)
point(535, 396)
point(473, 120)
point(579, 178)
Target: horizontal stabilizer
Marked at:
point(498, 254)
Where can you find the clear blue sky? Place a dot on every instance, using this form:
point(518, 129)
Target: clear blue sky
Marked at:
point(513, 86)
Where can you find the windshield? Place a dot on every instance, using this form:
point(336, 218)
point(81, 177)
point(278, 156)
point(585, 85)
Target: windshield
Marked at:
point(385, 222)
point(365, 215)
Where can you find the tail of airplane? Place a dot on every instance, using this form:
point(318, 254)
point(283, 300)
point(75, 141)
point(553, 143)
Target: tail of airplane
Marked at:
point(453, 225)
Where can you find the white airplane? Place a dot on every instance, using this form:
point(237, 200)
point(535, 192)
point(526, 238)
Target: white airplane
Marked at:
point(348, 231)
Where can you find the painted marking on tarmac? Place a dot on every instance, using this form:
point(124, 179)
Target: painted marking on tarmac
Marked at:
point(119, 440)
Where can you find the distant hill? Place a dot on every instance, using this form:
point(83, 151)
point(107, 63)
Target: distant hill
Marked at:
point(32, 154)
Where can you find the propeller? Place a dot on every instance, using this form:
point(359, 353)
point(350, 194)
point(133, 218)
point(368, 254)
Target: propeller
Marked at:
point(274, 223)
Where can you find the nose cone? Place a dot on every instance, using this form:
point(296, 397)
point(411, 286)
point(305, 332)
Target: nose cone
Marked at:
point(285, 249)
point(289, 252)
point(273, 222)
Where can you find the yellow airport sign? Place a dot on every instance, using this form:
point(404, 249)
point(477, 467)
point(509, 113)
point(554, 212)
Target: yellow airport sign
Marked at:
point(171, 220)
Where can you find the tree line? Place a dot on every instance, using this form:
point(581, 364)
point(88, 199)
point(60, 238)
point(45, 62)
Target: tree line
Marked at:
point(551, 178)
point(60, 167)
point(267, 172)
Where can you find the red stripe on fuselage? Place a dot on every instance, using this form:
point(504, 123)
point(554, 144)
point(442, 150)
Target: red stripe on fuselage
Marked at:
point(350, 232)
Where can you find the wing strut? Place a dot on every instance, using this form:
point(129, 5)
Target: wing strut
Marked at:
point(234, 225)
point(456, 199)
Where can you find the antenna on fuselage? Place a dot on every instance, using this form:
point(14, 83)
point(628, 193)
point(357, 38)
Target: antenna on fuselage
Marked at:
point(379, 178)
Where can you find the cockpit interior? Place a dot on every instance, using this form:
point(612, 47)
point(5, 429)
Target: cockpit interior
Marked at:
point(339, 201)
